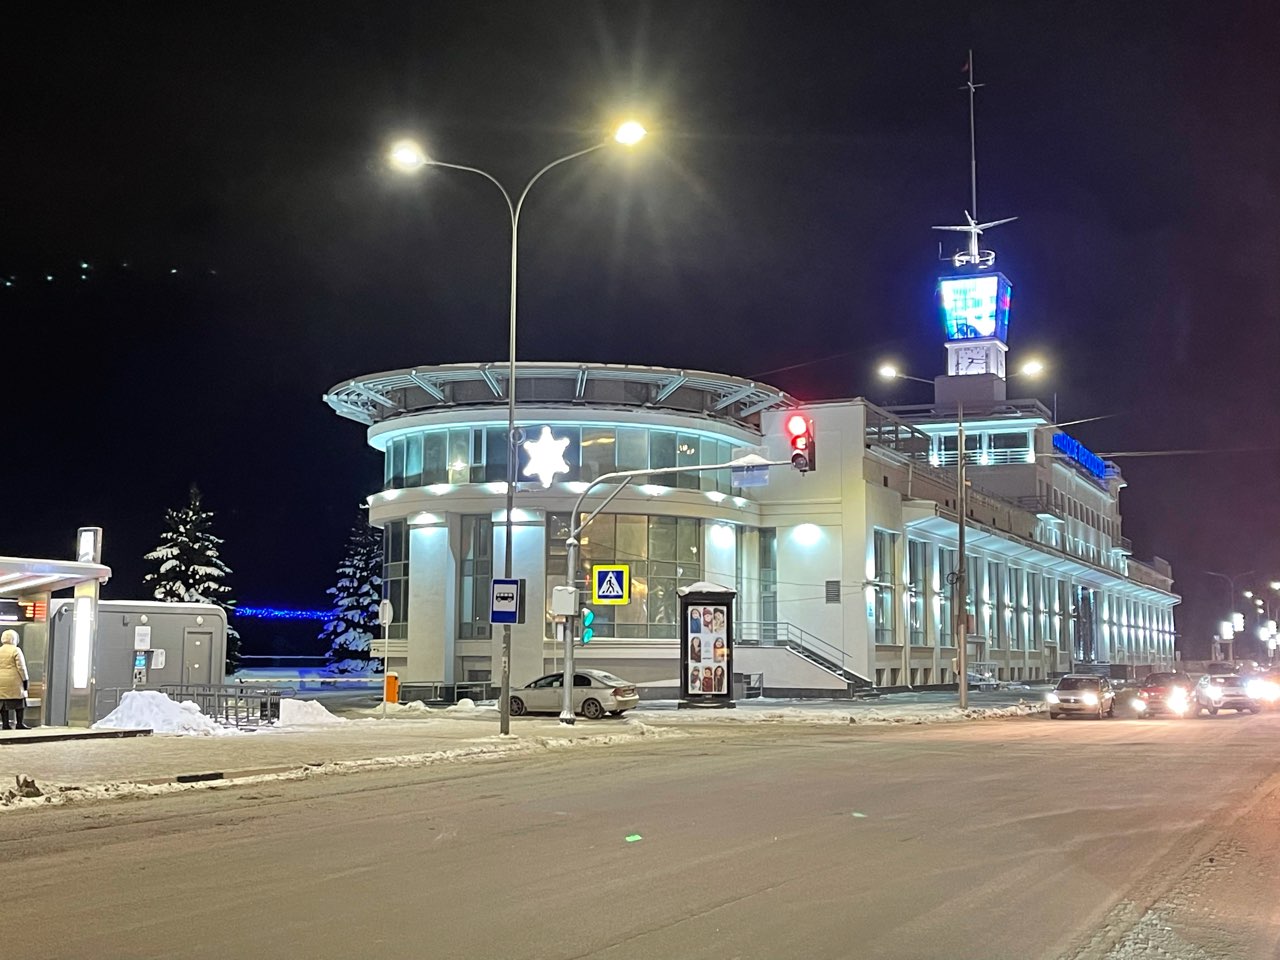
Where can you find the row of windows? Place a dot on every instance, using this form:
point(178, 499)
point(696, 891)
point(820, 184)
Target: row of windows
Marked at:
point(1020, 608)
point(665, 553)
point(479, 455)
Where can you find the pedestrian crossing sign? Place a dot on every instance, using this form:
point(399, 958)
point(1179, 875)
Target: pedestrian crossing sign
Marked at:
point(611, 583)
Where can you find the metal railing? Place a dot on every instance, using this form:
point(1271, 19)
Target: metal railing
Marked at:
point(231, 704)
point(778, 633)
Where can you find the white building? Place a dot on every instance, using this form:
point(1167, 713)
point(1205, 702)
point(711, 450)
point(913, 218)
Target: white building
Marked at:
point(841, 573)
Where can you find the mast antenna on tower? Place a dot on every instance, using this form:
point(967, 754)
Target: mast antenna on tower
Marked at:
point(972, 255)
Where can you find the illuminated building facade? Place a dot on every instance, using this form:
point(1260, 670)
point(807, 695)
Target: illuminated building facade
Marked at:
point(841, 573)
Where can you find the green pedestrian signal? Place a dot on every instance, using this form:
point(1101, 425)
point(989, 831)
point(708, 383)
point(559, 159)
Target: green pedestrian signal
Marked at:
point(588, 618)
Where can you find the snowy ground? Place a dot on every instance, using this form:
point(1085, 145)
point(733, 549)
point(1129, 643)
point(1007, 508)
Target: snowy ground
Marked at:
point(764, 842)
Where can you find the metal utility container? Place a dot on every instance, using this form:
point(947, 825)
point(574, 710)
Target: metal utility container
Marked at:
point(137, 643)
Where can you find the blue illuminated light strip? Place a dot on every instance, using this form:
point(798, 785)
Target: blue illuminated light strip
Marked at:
point(1073, 449)
point(276, 613)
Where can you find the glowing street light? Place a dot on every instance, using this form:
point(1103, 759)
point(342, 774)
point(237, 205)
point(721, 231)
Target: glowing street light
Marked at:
point(630, 133)
point(407, 156)
point(1248, 594)
point(1032, 368)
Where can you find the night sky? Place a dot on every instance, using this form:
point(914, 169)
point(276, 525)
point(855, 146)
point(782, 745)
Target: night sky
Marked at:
point(221, 174)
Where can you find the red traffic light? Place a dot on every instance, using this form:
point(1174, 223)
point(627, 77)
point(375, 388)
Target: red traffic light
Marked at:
point(800, 430)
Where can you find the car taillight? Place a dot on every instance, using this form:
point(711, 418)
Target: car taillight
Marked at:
point(619, 691)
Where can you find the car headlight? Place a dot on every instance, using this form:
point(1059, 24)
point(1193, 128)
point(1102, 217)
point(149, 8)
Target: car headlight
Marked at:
point(1216, 692)
point(1140, 705)
point(1177, 696)
point(1051, 697)
point(1255, 689)
point(1090, 698)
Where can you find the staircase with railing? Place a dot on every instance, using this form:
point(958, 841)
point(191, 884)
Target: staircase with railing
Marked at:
point(778, 633)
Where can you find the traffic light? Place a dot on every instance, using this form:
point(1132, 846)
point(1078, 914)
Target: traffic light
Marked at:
point(803, 450)
point(588, 631)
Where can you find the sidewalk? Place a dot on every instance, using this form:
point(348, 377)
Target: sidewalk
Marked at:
point(108, 766)
point(362, 743)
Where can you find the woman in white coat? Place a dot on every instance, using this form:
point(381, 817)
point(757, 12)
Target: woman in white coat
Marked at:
point(13, 680)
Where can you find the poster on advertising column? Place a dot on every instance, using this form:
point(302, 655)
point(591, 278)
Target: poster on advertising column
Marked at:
point(706, 645)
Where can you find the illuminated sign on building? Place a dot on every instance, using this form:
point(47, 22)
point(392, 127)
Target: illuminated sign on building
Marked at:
point(1073, 449)
point(974, 307)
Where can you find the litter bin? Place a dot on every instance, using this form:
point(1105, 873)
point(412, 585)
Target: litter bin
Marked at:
point(391, 687)
point(739, 686)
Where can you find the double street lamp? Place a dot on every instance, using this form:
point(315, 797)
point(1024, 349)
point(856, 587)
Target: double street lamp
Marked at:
point(408, 156)
point(960, 600)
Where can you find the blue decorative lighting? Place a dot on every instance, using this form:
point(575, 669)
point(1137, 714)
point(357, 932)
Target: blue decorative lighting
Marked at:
point(975, 307)
point(277, 613)
point(1074, 450)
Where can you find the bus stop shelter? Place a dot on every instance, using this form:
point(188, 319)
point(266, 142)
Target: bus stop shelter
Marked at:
point(26, 587)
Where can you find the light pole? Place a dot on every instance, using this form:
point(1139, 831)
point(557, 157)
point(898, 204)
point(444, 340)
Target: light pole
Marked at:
point(1232, 593)
point(408, 156)
point(960, 603)
point(960, 597)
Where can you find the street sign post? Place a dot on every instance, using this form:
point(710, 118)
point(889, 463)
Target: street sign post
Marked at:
point(506, 601)
point(611, 583)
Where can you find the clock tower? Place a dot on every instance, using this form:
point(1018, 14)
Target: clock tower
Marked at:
point(975, 315)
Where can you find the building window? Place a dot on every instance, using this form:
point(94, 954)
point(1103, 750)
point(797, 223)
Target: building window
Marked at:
point(883, 593)
point(991, 605)
point(395, 576)
point(946, 596)
point(476, 554)
point(599, 452)
point(918, 591)
point(664, 554)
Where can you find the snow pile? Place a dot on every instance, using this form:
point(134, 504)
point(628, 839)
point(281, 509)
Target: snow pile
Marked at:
point(463, 705)
point(152, 710)
point(305, 713)
point(827, 712)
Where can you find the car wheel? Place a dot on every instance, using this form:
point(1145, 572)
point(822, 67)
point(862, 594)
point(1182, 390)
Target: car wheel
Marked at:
point(517, 707)
point(1111, 708)
point(1255, 709)
point(592, 710)
point(1213, 711)
point(1054, 716)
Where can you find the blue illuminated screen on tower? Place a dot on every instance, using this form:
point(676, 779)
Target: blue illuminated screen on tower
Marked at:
point(975, 306)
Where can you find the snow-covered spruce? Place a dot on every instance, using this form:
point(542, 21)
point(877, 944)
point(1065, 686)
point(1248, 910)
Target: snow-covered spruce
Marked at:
point(353, 622)
point(190, 568)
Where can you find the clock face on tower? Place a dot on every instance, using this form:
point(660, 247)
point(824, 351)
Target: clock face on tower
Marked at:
point(971, 360)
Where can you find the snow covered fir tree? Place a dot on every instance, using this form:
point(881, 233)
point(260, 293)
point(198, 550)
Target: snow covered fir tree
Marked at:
point(190, 568)
point(353, 623)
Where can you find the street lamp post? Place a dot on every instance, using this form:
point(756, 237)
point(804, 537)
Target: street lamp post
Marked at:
point(1232, 593)
point(960, 596)
point(409, 156)
point(960, 601)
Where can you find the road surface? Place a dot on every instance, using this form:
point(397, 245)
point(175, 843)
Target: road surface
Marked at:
point(1024, 838)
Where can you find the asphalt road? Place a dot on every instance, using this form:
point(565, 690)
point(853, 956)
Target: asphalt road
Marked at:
point(1024, 838)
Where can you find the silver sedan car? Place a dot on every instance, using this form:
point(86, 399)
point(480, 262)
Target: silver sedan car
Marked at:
point(595, 693)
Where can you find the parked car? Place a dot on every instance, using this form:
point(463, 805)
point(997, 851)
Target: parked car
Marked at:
point(1214, 693)
point(1165, 693)
point(1082, 694)
point(595, 693)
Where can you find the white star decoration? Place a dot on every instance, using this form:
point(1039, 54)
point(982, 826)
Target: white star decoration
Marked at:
point(546, 457)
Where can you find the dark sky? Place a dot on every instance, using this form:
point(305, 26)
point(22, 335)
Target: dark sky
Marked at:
point(779, 214)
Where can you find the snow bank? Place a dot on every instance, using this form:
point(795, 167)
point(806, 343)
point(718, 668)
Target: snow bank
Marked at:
point(882, 713)
point(463, 705)
point(150, 709)
point(305, 713)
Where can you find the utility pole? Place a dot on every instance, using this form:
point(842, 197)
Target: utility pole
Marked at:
point(961, 604)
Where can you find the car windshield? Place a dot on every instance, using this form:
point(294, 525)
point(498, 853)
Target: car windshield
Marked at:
point(1232, 681)
point(609, 678)
point(1077, 683)
point(1163, 679)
